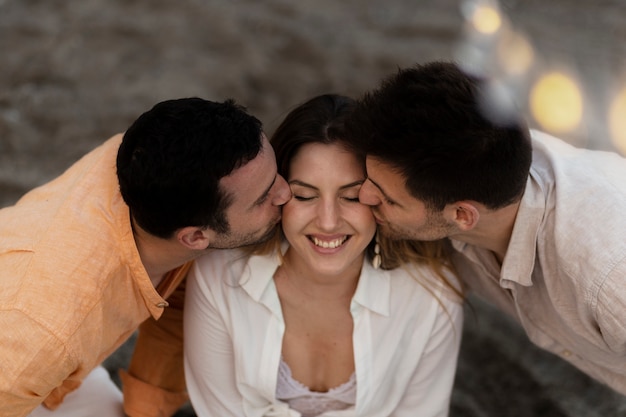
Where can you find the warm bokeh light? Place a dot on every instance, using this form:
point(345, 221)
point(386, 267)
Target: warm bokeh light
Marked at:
point(556, 102)
point(515, 53)
point(486, 19)
point(617, 121)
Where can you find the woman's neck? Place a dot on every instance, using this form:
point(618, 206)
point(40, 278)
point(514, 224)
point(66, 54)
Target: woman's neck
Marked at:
point(318, 285)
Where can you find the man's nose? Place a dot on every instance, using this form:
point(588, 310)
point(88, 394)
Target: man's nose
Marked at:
point(368, 194)
point(282, 191)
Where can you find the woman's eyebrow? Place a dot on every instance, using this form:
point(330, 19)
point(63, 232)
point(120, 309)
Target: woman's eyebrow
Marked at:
point(352, 184)
point(343, 187)
point(302, 184)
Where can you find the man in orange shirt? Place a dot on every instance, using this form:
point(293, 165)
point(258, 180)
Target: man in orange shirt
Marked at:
point(89, 256)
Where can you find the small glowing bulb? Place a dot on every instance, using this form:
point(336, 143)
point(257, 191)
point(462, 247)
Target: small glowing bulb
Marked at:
point(515, 53)
point(556, 102)
point(617, 121)
point(486, 19)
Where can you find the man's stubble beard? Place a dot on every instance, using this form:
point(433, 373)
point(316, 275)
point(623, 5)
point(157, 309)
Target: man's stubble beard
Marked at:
point(228, 241)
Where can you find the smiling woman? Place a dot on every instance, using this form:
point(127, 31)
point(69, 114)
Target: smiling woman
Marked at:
point(329, 330)
point(326, 226)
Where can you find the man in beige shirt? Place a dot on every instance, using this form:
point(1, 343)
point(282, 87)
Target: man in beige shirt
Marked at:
point(89, 256)
point(535, 225)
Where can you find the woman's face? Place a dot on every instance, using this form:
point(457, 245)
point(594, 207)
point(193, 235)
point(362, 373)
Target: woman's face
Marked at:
point(326, 226)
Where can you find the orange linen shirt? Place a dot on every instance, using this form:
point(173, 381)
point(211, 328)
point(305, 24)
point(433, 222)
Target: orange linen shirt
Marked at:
point(72, 286)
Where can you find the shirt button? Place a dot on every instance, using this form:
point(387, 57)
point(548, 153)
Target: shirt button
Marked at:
point(162, 304)
point(566, 353)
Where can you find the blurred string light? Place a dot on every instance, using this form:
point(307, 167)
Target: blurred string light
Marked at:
point(492, 49)
point(485, 18)
point(556, 102)
point(515, 53)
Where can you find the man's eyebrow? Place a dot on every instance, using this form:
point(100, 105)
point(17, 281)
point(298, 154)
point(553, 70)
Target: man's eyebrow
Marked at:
point(263, 196)
point(383, 192)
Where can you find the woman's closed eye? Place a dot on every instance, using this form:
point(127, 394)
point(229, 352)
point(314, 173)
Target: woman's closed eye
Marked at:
point(306, 192)
point(303, 198)
point(351, 199)
point(350, 192)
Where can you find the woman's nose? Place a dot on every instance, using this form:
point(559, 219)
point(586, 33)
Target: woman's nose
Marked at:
point(328, 215)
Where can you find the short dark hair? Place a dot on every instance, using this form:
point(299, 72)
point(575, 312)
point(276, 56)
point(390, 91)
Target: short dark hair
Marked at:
point(427, 122)
point(173, 156)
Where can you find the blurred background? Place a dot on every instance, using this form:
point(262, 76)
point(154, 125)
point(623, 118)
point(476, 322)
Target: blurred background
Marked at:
point(73, 73)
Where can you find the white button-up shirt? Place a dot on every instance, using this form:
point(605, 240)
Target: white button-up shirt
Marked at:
point(405, 340)
point(564, 274)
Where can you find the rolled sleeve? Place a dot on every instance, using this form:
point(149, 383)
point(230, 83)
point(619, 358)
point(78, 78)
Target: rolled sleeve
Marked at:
point(142, 399)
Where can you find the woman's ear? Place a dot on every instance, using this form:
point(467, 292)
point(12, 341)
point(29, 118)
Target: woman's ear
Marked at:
point(194, 238)
point(464, 214)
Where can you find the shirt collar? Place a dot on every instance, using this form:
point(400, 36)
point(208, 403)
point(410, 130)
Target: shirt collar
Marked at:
point(372, 292)
point(519, 260)
point(261, 287)
point(154, 301)
point(521, 253)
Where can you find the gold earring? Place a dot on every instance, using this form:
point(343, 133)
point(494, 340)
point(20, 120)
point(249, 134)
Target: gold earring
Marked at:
point(378, 259)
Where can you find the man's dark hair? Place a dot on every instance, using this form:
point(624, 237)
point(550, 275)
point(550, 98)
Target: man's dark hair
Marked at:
point(427, 123)
point(173, 156)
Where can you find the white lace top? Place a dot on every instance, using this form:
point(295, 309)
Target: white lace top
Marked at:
point(311, 403)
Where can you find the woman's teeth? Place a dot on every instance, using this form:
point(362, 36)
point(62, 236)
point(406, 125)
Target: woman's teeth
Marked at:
point(329, 244)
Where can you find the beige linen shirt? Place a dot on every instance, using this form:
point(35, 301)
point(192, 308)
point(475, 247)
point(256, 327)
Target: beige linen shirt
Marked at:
point(72, 285)
point(564, 274)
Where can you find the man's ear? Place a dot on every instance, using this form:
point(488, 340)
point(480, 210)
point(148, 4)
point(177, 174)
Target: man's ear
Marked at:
point(464, 214)
point(194, 238)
